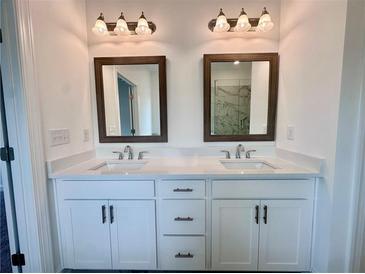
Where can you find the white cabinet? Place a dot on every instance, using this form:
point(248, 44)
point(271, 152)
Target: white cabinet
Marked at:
point(267, 235)
point(133, 234)
point(109, 234)
point(285, 236)
point(86, 234)
point(234, 235)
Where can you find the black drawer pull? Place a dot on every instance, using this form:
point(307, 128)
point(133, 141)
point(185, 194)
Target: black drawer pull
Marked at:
point(183, 190)
point(182, 255)
point(265, 214)
point(257, 214)
point(103, 214)
point(182, 219)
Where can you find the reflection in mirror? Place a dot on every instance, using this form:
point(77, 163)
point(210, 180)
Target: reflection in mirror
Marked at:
point(131, 98)
point(239, 97)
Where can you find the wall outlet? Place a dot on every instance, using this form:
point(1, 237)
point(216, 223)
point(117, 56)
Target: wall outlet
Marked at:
point(290, 133)
point(86, 135)
point(59, 137)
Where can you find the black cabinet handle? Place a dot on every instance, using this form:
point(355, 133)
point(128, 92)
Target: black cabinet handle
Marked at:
point(182, 219)
point(257, 214)
point(103, 214)
point(183, 190)
point(111, 210)
point(182, 255)
point(265, 214)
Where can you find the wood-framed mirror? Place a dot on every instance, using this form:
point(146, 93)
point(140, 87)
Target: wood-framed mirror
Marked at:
point(240, 96)
point(131, 99)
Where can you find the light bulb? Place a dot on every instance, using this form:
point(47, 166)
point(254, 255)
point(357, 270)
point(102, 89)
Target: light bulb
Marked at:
point(221, 24)
point(142, 26)
point(121, 26)
point(265, 23)
point(100, 27)
point(243, 23)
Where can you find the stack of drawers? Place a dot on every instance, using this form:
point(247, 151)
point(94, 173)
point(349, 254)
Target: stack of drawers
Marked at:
point(182, 224)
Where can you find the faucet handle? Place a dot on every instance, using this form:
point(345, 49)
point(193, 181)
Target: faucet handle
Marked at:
point(120, 154)
point(228, 154)
point(141, 153)
point(248, 153)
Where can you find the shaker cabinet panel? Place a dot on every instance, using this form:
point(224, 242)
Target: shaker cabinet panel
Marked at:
point(132, 227)
point(235, 231)
point(285, 235)
point(86, 234)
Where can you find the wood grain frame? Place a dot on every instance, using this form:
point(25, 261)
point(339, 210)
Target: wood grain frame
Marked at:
point(99, 62)
point(273, 58)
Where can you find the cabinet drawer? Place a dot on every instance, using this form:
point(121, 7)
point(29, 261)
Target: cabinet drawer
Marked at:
point(263, 189)
point(181, 189)
point(182, 253)
point(182, 216)
point(108, 190)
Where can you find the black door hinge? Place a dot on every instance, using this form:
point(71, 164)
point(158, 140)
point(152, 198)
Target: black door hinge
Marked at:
point(18, 259)
point(7, 154)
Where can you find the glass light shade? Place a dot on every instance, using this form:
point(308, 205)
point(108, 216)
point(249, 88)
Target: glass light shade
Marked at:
point(121, 26)
point(100, 27)
point(221, 24)
point(265, 22)
point(142, 26)
point(243, 24)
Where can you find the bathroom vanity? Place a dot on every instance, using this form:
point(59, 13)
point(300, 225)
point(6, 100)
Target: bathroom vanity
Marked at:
point(185, 214)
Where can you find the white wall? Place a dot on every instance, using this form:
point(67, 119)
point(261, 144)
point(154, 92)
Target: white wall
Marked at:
point(111, 101)
point(311, 51)
point(183, 36)
point(60, 40)
point(259, 97)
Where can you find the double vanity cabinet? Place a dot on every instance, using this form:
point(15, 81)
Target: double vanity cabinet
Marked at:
point(185, 223)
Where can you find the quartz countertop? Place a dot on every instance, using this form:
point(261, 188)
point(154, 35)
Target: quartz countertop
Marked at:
point(185, 167)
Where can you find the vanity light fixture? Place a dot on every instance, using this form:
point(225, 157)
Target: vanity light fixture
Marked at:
point(100, 27)
point(122, 27)
point(265, 23)
point(241, 24)
point(142, 27)
point(221, 24)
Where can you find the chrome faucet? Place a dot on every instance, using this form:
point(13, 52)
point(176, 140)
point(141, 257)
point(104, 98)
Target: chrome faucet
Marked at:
point(140, 154)
point(248, 153)
point(128, 149)
point(120, 154)
point(239, 149)
point(228, 155)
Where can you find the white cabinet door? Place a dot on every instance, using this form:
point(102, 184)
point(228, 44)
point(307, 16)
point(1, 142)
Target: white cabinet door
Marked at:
point(86, 234)
point(133, 234)
point(235, 232)
point(285, 236)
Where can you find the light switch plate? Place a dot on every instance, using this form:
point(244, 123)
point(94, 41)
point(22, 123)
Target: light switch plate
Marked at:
point(290, 133)
point(59, 137)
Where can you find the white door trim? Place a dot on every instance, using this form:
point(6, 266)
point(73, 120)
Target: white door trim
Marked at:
point(25, 136)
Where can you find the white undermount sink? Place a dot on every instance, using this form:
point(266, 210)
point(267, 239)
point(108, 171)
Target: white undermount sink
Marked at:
point(120, 165)
point(248, 164)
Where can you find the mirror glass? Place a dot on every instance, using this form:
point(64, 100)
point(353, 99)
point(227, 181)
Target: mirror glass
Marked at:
point(239, 97)
point(131, 100)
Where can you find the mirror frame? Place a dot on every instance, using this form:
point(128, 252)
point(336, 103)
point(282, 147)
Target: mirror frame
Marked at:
point(273, 59)
point(99, 62)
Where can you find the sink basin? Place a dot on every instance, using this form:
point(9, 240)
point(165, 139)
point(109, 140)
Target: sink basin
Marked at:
point(120, 165)
point(247, 164)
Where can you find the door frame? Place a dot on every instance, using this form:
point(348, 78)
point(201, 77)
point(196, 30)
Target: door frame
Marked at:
point(26, 137)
